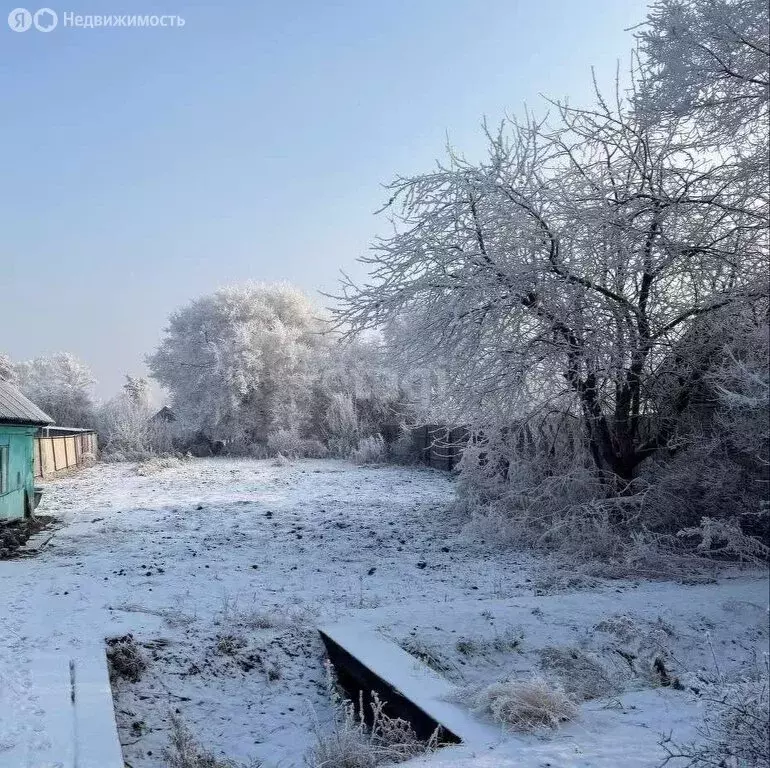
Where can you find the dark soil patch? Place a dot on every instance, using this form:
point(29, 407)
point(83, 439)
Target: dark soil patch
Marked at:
point(14, 534)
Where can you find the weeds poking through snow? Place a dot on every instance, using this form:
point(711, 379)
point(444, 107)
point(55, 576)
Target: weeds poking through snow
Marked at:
point(125, 659)
point(353, 744)
point(262, 620)
point(506, 642)
point(253, 617)
point(229, 645)
point(184, 752)
point(430, 656)
point(525, 705)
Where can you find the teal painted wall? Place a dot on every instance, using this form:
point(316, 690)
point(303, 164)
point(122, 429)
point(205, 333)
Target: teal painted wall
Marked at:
point(17, 466)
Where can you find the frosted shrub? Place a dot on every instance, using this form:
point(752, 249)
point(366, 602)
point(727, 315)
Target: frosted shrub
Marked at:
point(341, 422)
point(128, 433)
point(725, 537)
point(285, 441)
point(291, 445)
point(371, 450)
point(713, 492)
point(535, 486)
point(517, 491)
point(525, 705)
point(314, 449)
point(735, 731)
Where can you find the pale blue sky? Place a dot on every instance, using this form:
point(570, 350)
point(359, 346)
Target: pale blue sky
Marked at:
point(142, 167)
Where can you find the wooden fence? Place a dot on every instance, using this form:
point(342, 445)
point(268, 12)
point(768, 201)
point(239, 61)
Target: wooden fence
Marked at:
point(58, 450)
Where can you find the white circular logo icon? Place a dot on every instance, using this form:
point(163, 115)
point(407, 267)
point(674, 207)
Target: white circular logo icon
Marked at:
point(45, 20)
point(20, 19)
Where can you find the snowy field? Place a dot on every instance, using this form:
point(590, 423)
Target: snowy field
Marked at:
point(222, 569)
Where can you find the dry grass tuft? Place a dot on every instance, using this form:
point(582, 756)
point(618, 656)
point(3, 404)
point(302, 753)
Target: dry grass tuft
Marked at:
point(125, 659)
point(526, 705)
point(583, 674)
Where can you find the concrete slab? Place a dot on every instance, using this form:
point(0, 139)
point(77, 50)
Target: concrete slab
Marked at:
point(53, 741)
point(71, 723)
point(96, 733)
point(372, 662)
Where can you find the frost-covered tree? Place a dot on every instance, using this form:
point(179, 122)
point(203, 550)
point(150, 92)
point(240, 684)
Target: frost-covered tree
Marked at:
point(423, 381)
point(137, 389)
point(127, 430)
point(62, 386)
point(361, 371)
point(559, 272)
point(709, 61)
point(239, 363)
point(580, 289)
point(7, 369)
point(366, 390)
point(341, 424)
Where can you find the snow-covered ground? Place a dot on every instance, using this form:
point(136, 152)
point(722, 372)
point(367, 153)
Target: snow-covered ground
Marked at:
point(223, 568)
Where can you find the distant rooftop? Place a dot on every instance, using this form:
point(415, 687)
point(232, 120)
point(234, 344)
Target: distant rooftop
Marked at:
point(164, 414)
point(17, 409)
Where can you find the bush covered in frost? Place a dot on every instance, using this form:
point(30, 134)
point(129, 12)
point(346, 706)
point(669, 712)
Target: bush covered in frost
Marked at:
point(370, 450)
point(289, 444)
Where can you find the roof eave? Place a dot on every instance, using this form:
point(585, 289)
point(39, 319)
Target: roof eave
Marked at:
point(26, 423)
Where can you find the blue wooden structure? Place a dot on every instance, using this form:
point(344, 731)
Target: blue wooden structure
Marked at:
point(20, 420)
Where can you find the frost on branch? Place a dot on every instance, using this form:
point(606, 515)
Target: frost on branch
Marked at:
point(709, 61)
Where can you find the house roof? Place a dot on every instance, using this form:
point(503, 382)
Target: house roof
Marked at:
point(17, 409)
point(164, 414)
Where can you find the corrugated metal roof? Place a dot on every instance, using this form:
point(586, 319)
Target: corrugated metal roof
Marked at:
point(17, 409)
